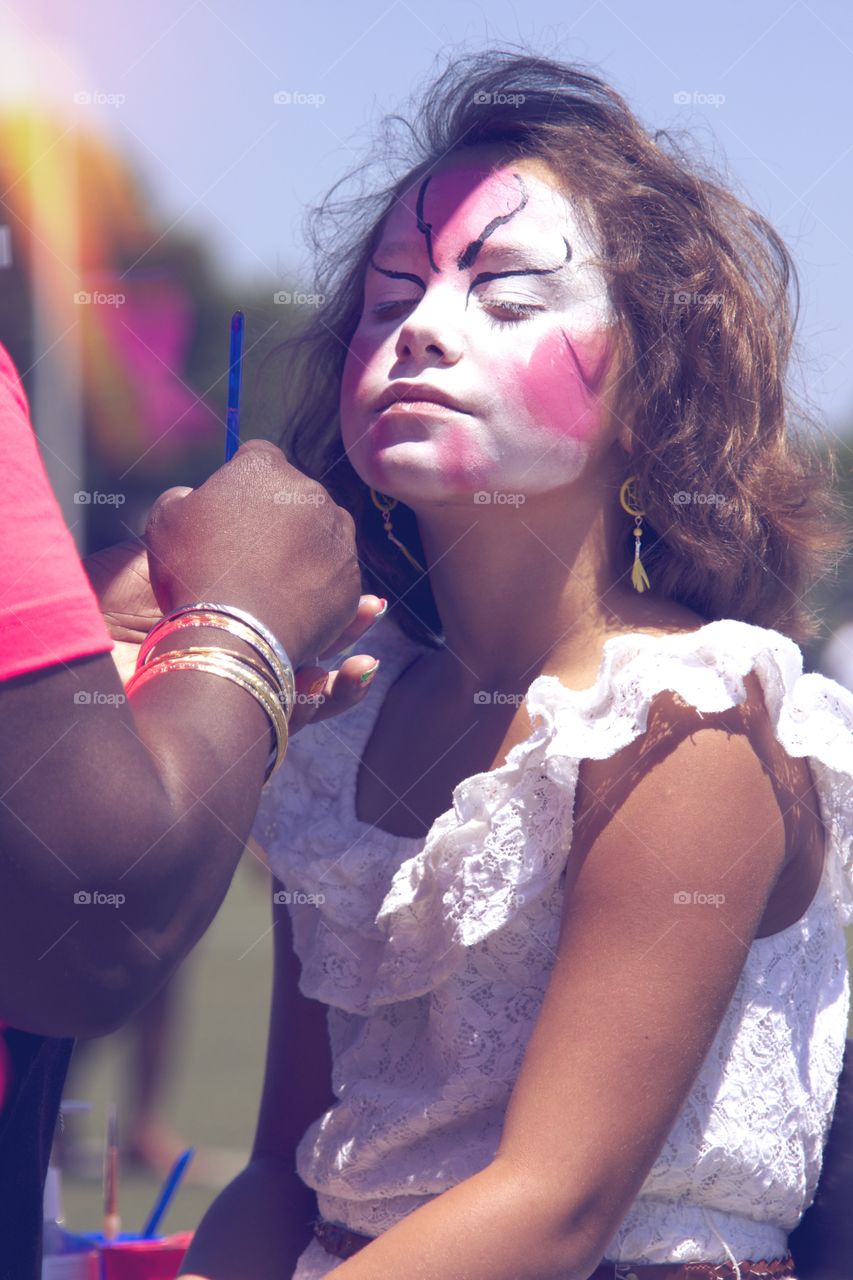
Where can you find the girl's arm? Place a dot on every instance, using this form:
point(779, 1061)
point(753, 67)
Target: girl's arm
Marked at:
point(641, 980)
point(260, 1224)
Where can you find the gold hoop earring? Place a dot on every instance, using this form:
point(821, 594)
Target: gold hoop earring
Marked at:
point(386, 508)
point(639, 577)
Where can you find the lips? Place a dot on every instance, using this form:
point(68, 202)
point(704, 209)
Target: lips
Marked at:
point(410, 392)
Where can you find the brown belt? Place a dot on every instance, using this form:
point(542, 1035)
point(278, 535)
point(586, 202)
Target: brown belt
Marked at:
point(343, 1243)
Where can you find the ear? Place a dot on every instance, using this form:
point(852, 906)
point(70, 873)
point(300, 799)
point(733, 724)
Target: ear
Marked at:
point(626, 439)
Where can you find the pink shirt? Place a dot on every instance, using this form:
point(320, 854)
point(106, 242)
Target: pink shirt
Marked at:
point(48, 611)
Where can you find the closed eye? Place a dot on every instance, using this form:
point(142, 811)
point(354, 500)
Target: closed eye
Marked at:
point(518, 311)
point(514, 312)
point(386, 308)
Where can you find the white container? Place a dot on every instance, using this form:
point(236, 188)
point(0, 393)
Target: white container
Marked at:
point(71, 1266)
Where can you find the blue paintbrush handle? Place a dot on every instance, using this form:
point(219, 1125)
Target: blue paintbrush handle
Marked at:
point(235, 369)
point(165, 1197)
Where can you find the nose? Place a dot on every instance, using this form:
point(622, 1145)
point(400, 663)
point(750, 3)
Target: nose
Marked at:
point(431, 330)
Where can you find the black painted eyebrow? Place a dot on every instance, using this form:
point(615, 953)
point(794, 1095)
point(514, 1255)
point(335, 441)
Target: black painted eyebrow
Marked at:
point(469, 254)
point(483, 276)
point(426, 227)
point(397, 275)
point(466, 258)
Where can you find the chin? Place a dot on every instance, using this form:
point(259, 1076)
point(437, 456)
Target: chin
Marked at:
point(409, 472)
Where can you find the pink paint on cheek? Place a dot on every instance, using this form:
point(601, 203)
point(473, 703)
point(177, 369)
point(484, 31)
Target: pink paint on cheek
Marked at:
point(458, 457)
point(561, 382)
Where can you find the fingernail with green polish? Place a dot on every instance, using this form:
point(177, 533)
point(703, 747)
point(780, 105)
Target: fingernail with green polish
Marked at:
point(368, 675)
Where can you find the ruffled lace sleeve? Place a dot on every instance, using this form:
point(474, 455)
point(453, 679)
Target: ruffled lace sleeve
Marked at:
point(811, 715)
point(505, 842)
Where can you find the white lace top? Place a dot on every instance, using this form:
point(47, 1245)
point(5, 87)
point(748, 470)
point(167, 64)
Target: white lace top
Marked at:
point(433, 955)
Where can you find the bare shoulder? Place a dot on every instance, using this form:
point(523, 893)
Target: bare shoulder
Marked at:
point(680, 742)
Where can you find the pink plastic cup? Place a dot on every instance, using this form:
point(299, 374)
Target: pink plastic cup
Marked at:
point(157, 1259)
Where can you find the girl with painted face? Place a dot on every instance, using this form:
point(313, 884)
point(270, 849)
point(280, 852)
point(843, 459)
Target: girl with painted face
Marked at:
point(560, 978)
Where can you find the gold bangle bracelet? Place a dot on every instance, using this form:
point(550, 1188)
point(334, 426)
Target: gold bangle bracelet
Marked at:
point(240, 670)
point(210, 618)
point(206, 651)
point(256, 627)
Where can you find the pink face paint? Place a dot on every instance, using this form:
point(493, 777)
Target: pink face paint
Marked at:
point(562, 380)
point(481, 287)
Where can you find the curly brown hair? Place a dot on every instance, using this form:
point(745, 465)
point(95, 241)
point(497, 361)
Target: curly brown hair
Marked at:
point(706, 296)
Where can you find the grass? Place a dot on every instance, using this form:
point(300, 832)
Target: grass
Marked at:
point(215, 1087)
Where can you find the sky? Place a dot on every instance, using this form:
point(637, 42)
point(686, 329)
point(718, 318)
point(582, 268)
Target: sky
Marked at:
point(188, 88)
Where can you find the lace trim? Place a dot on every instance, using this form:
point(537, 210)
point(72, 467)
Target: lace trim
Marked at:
point(504, 842)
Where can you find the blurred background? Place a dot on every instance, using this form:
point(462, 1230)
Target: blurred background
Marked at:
point(156, 167)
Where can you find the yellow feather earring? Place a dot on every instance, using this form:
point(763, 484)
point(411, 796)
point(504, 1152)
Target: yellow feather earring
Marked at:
point(639, 577)
point(386, 507)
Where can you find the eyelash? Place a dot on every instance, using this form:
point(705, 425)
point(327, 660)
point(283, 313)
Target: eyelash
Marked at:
point(520, 311)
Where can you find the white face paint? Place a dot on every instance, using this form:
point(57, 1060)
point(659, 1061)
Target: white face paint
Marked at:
point(481, 288)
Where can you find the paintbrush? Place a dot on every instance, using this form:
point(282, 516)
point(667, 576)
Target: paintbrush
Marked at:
point(112, 1221)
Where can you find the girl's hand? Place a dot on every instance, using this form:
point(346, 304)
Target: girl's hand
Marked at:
point(321, 694)
point(119, 578)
